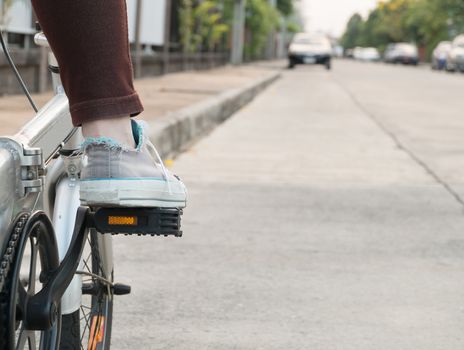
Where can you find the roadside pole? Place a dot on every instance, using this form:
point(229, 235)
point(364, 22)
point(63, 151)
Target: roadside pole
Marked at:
point(167, 36)
point(281, 48)
point(238, 32)
point(138, 46)
point(270, 50)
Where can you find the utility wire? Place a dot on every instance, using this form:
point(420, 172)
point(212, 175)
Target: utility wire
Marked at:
point(15, 70)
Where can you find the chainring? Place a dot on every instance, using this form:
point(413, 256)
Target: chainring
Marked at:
point(7, 268)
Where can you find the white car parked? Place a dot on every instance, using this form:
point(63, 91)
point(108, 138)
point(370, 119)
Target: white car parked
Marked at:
point(369, 54)
point(455, 60)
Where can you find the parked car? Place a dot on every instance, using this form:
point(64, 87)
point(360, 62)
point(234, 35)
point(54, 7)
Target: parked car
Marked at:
point(405, 53)
point(387, 55)
point(357, 52)
point(440, 55)
point(455, 59)
point(337, 51)
point(369, 54)
point(349, 53)
point(310, 49)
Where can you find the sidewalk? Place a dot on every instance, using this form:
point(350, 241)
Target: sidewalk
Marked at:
point(161, 95)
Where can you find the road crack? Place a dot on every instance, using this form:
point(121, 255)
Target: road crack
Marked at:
point(413, 156)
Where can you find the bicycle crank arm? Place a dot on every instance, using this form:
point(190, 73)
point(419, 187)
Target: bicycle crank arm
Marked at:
point(42, 308)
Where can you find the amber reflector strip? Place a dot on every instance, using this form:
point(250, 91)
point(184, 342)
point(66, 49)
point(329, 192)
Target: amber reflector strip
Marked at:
point(122, 220)
point(97, 332)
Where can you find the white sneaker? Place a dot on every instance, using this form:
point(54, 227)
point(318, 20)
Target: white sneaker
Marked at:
point(118, 177)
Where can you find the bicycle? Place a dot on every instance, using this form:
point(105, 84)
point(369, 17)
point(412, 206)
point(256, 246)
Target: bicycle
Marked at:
point(57, 288)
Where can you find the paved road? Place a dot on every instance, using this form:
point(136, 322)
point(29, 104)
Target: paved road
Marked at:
point(322, 216)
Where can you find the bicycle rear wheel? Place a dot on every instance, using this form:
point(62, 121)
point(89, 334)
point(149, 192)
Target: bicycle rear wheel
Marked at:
point(90, 326)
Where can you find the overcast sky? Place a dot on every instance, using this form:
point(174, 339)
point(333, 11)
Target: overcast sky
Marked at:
point(331, 16)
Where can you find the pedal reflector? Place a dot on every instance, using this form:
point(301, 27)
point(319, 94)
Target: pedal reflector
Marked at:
point(122, 220)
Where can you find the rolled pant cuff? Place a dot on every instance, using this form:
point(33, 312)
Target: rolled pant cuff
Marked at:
point(111, 107)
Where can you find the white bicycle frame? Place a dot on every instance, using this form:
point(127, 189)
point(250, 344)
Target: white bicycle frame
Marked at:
point(32, 177)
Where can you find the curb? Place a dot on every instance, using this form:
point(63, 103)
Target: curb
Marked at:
point(176, 131)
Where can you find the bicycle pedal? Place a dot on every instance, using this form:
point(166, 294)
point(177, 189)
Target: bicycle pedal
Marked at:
point(138, 221)
point(98, 288)
point(121, 289)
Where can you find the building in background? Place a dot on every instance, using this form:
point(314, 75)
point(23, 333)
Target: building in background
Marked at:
point(16, 20)
point(153, 22)
point(159, 41)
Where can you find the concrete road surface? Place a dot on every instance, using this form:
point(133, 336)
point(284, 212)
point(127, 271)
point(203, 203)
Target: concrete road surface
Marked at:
point(325, 215)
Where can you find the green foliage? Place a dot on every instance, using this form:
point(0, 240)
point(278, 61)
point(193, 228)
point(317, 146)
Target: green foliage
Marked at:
point(261, 20)
point(354, 31)
point(186, 23)
point(202, 26)
point(205, 24)
point(425, 22)
point(293, 27)
point(285, 7)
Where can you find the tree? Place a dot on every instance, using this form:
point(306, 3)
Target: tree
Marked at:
point(202, 26)
point(394, 17)
point(354, 31)
point(455, 12)
point(210, 28)
point(425, 22)
point(261, 19)
point(285, 7)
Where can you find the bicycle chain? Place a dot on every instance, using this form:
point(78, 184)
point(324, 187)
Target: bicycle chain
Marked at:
point(9, 254)
point(5, 267)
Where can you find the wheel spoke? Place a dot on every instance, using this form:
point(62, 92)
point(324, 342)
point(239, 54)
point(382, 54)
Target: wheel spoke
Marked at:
point(33, 267)
point(87, 318)
point(86, 265)
point(32, 341)
point(93, 316)
point(23, 337)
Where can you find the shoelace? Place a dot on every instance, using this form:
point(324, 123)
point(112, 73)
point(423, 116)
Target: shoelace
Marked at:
point(151, 148)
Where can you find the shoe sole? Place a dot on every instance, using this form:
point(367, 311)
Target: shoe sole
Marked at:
point(132, 193)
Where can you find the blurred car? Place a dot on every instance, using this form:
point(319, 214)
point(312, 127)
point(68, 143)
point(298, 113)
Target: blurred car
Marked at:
point(357, 52)
point(455, 59)
point(369, 54)
point(387, 55)
point(440, 55)
point(405, 53)
point(337, 51)
point(349, 53)
point(309, 49)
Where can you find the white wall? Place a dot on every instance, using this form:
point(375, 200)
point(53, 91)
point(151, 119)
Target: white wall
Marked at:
point(18, 18)
point(153, 19)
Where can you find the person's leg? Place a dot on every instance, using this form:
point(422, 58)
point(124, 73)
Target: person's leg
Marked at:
point(117, 128)
point(89, 39)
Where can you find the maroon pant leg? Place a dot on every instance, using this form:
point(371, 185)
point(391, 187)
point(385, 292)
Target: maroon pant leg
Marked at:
point(89, 39)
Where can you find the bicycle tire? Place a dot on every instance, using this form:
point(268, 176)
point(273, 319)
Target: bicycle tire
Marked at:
point(90, 326)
